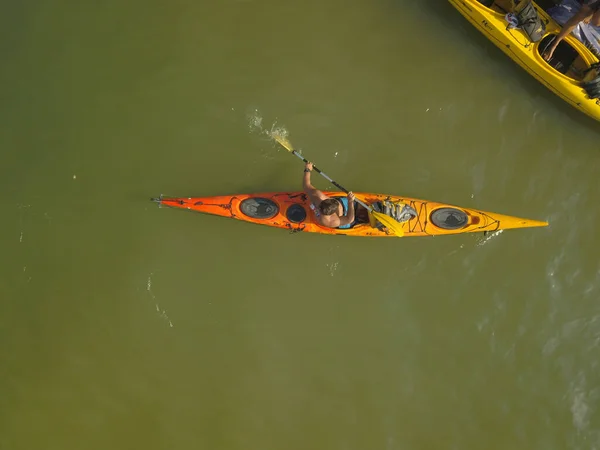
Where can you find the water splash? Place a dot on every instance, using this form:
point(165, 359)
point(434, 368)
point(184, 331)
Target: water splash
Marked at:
point(255, 124)
point(255, 121)
point(277, 130)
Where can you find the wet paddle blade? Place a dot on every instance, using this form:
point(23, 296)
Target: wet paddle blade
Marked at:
point(389, 223)
point(283, 142)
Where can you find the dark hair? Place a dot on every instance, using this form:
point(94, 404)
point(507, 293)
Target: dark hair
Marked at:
point(329, 206)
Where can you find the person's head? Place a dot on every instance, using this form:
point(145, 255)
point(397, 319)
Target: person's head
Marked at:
point(329, 206)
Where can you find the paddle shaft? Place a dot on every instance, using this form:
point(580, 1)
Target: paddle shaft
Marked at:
point(329, 179)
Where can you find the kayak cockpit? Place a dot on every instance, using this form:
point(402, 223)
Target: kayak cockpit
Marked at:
point(263, 208)
point(566, 59)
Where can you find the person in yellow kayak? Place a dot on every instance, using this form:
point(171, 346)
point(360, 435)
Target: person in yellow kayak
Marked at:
point(330, 212)
point(588, 13)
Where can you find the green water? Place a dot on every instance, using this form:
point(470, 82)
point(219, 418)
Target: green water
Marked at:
point(125, 326)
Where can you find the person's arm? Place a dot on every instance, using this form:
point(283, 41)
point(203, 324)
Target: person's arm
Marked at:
point(314, 195)
point(349, 217)
point(306, 185)
point(583, 13)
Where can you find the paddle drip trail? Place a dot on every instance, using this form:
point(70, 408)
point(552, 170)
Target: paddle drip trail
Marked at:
point(162, 314)
point(489, 237)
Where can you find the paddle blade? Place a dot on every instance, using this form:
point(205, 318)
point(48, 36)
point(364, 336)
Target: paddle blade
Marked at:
point(389, 223)
point(283, 142)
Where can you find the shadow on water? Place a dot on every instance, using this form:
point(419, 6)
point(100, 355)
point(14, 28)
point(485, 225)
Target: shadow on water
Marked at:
point(451, 19)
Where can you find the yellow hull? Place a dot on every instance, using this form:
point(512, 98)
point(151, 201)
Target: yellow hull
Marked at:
point(516, 44)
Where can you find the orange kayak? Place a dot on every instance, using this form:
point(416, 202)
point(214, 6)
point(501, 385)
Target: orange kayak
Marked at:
point(293, 211)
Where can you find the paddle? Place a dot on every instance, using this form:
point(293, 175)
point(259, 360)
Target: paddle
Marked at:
point(386, 220)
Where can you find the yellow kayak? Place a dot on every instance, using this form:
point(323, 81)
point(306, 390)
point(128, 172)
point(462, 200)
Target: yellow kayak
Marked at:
point(570, 74)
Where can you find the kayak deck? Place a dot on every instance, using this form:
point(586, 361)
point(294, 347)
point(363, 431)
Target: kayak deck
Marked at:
point(292, 211)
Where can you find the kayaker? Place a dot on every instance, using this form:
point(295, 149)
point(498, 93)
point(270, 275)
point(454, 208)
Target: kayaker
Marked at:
point(589, 12)
point(330, 212)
